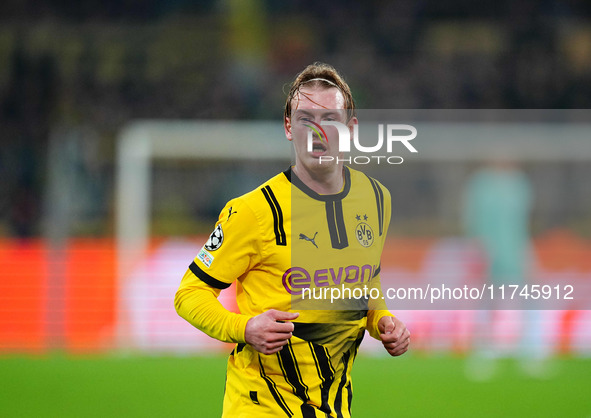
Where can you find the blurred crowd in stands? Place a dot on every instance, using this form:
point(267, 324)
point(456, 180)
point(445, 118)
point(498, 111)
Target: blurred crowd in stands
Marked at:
point(100, 64)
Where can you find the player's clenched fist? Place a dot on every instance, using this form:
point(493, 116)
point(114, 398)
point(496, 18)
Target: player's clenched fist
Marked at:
point(266, 334)
point(394, 335)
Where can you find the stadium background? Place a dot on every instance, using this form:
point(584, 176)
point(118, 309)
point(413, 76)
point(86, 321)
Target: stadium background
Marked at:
point(73, 76)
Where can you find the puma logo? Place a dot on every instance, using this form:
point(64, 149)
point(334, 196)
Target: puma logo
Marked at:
point(302, 236)
point(230, 213)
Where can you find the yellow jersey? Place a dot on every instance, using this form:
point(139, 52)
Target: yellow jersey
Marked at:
point(292, 249)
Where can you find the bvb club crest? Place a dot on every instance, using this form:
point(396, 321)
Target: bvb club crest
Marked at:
point(364, 234)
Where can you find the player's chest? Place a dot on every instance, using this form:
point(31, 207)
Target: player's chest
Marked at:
point(343, 227)
point(332, 235)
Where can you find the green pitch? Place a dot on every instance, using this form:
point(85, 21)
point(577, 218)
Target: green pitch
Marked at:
point(410, 386)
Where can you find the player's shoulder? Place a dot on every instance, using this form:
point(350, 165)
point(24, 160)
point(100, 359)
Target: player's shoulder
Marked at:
point(276, 186)
point(272, 192)
point(361, 179)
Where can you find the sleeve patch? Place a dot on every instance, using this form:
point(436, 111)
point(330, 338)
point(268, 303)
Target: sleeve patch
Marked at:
point(205, 257)
point(215, 239)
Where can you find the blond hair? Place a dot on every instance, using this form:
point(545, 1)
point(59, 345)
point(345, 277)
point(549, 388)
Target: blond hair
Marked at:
point(320, 75)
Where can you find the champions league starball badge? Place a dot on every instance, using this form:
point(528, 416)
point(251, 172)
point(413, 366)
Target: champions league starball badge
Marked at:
point(215, 239)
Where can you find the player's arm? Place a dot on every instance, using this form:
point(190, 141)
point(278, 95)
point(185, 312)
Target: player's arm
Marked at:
point(377, 306)
point(384, 326)
point(197, 303)
point(381, 323)
point(233, 249)
point(377, 309)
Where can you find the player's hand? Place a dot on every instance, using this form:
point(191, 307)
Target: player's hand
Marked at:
point(266, 334)
point(394, 335)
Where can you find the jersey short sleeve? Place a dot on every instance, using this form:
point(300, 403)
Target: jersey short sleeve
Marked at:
point(232, 249)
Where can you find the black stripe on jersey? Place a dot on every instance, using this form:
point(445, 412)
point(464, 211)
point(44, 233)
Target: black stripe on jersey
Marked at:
point(291, 373)
point(377, 271)
point(239, 347)
point(357, 344)
point(336, 224)
point(280, 237)
point(273, 389)
point(379, 203)
point(207, 278)
point(320, 333)
point(325, 372)
point(349, 388)
point(254, 397)
point(349, 396)
point(355, 349)
point(338, 401)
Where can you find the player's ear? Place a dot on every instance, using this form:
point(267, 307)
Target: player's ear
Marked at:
point(287, 127)
point(351, 124)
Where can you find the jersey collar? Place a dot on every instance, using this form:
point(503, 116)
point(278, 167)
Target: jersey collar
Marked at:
point(295, 180)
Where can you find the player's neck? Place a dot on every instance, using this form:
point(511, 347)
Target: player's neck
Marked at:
point(324, 182)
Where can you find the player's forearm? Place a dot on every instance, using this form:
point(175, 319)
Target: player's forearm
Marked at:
point(198, 304)
point(377, 309)
point(373, 317)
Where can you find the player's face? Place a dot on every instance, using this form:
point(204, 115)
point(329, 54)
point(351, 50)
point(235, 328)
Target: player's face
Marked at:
point(310, 107)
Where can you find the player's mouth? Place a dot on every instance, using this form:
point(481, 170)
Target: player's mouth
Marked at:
point(318, 148)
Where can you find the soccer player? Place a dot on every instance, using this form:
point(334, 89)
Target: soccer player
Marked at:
point(317, 226)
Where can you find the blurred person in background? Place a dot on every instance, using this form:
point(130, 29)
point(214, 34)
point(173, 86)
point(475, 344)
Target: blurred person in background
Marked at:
point(496, 213)
point(331, 218)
